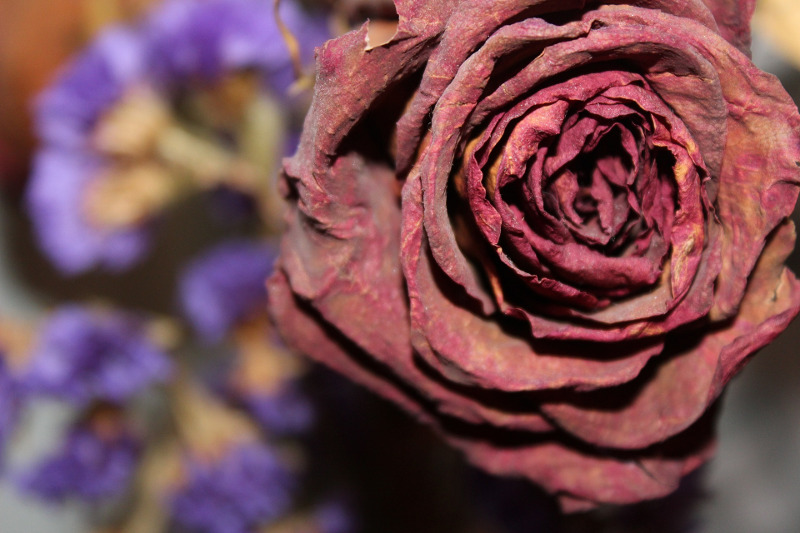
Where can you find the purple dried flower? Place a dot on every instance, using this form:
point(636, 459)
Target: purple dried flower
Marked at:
point(82, 355)
point(67, 111)
point(55, 203)
point(182, 43)
point(283, 411)
point(247, 487)
point(9, 404)
point(225, 285)
point(202, 40)
point(87, 466)
point(66, 115)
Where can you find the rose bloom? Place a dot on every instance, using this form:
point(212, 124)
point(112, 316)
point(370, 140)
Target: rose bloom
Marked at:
point(554, 230)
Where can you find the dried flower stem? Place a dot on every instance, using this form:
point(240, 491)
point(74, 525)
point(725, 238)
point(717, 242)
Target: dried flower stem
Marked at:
point(290, 40)
point(207, 428)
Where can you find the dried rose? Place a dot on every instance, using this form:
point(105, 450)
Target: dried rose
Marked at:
point(589, 241)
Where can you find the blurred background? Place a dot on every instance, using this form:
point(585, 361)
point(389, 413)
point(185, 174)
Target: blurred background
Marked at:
point(150, 269)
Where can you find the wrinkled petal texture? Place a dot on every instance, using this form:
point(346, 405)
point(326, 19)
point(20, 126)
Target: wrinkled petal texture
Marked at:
point(552, 230)
point(733, 18)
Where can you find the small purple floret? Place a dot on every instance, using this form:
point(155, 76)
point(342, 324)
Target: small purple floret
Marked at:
point(86, 466)
point(82, 355)
point(55, 203)
point(246, 488)
point(203, 40)
point(225, 285)
point(68, 110)
point(285, 411)
point(9, 405)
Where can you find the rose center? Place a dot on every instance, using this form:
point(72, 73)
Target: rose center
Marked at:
point(584, 188)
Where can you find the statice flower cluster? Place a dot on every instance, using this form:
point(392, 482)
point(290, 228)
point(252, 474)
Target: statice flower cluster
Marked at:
point(87, 465)
point(225, 286)
point(66, 164)
point(84, 355)
point(9, 405)
point(197, 411)
point(249, 486)
point(227, 35)
point(153, 111)
point(95, 360)
point(283, 411)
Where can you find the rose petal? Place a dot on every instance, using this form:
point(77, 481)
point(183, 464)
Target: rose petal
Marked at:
point(733, 18)
point(691, 373)
point(590, 475)
point(472, 22)
point(467, 349)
